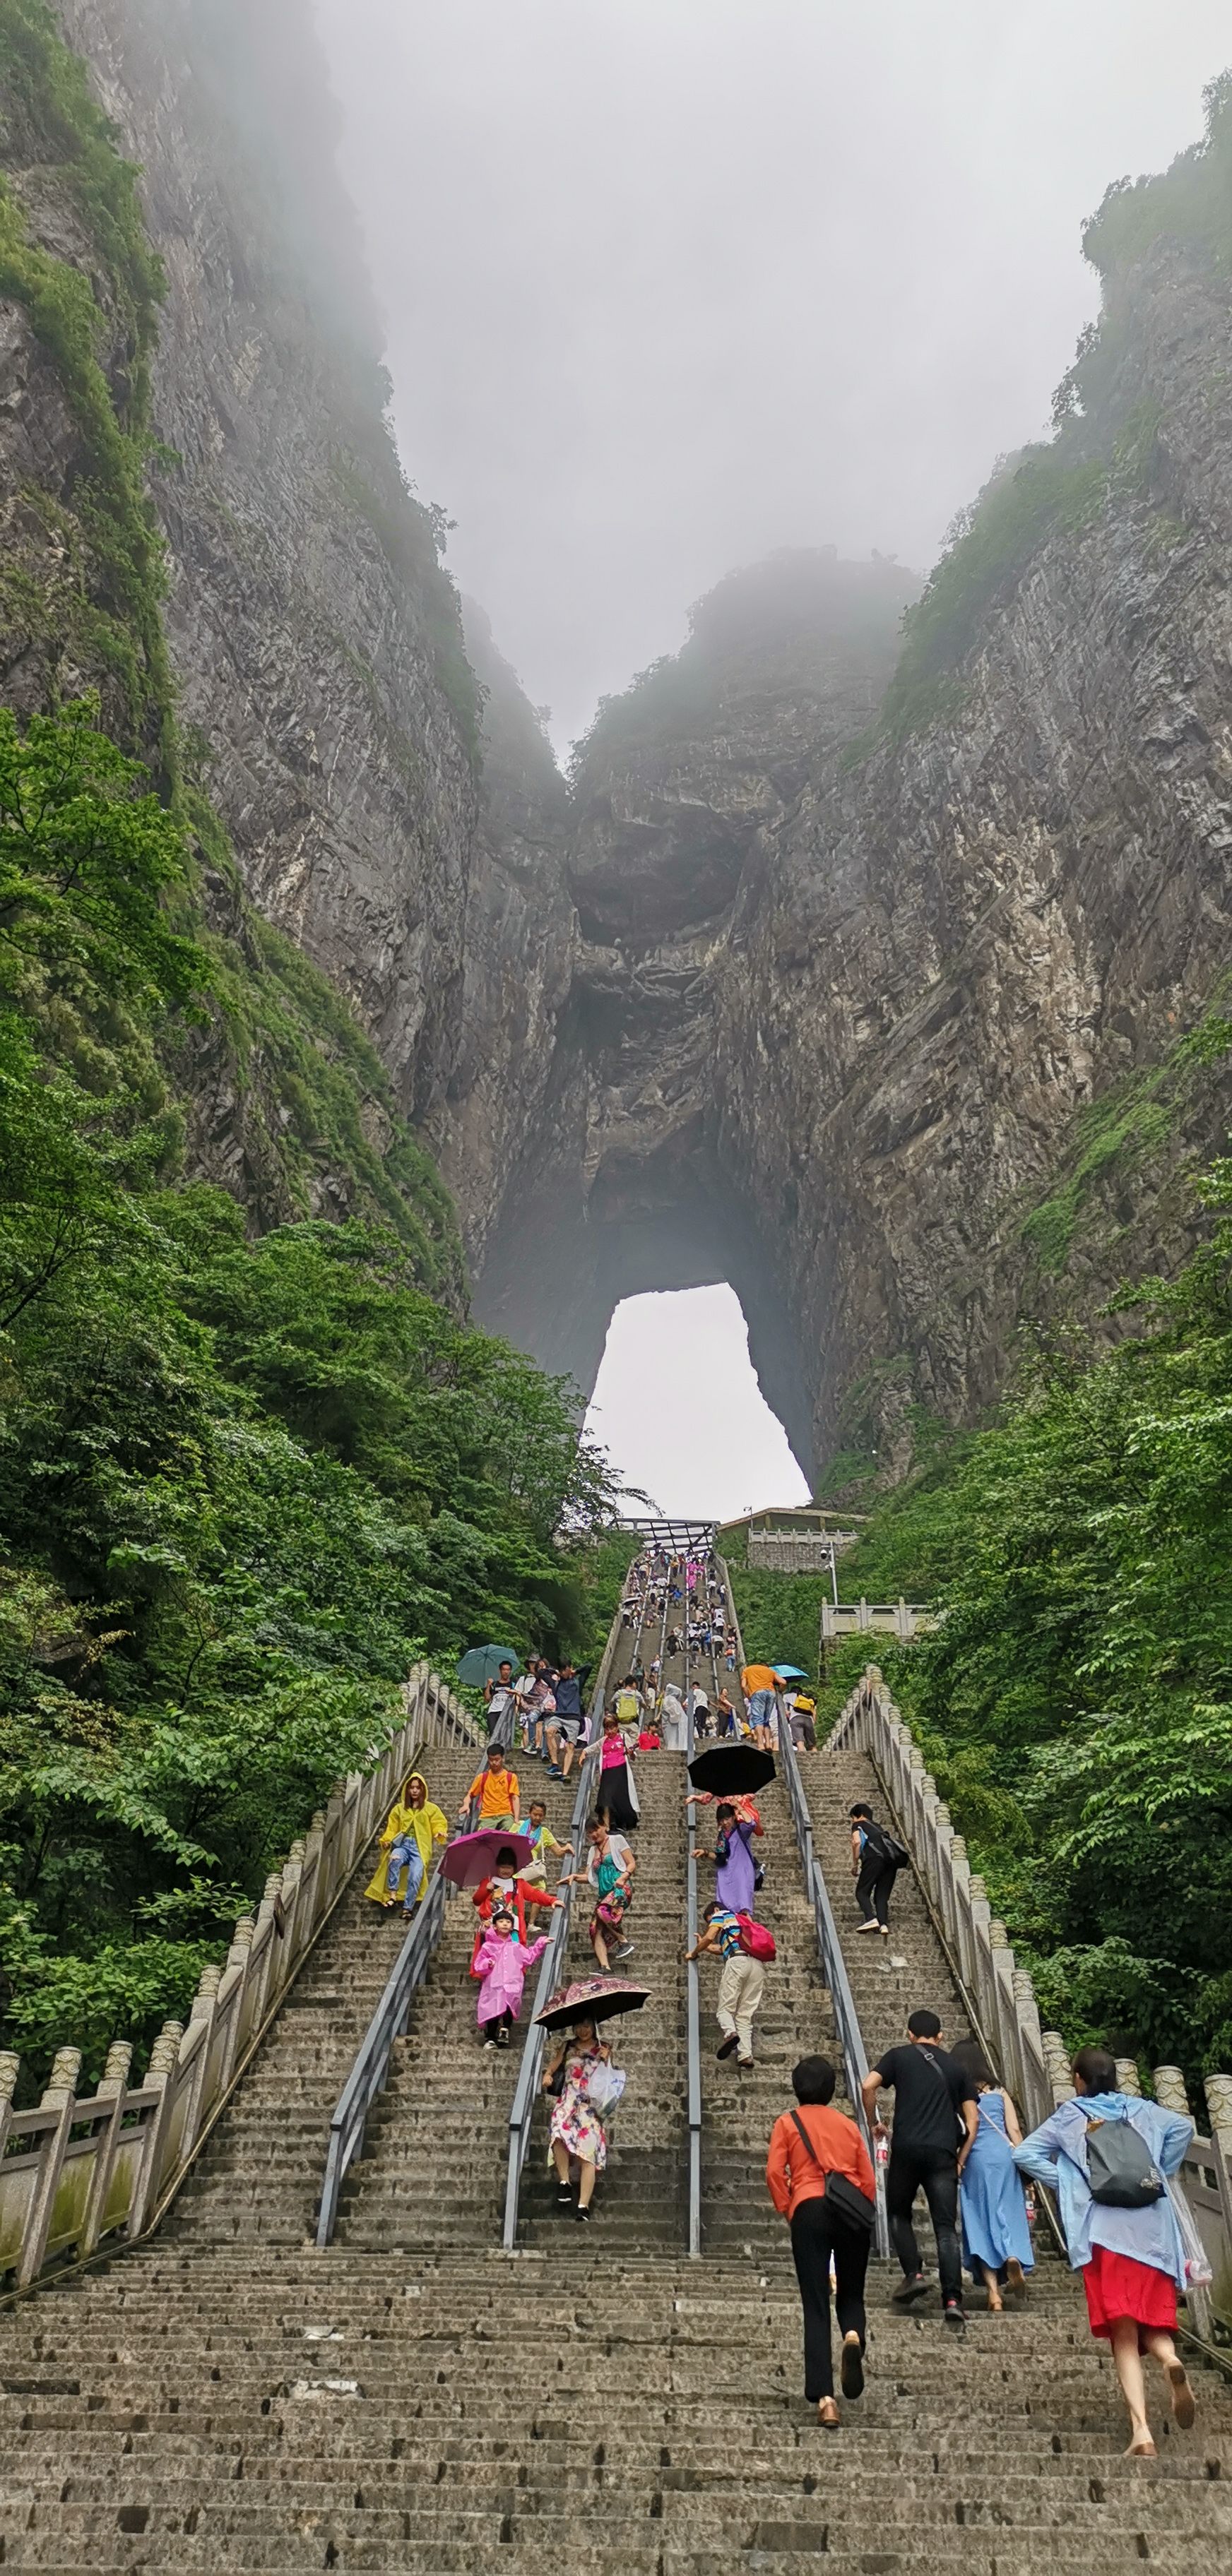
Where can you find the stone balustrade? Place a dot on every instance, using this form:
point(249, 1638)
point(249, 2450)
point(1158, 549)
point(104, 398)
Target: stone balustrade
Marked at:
point(901, 1619)
point(800, 1552)
point(78, 2168)
point(1033, 2063)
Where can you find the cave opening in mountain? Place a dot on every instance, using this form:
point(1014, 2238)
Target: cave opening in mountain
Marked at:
point(647, 1224)
point(678, 1408)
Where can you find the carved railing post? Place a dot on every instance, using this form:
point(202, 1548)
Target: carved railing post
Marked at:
point(60, 2096)
point(158, 2079)
point(1170, 2090)
point(203, 2014)
point(1057, 2067)
point(113, 2088)
point(10, 2068)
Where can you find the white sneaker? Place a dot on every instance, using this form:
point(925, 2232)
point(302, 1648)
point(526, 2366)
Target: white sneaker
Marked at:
point(868, 1927)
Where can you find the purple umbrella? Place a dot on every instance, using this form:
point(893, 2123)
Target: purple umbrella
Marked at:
point(472, 1857)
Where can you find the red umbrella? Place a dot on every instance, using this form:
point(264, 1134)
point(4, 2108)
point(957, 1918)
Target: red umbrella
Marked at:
point(473, 1857)
point(591, 1999)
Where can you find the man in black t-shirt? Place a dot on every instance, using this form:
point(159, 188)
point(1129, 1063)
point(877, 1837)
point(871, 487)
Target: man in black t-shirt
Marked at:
point(934, 2108)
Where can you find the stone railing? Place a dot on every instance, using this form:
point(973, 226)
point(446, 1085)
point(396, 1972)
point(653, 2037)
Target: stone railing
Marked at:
point(78, 2168)
point(804, 1553)
point(902, 1619)
point(1033, 2063)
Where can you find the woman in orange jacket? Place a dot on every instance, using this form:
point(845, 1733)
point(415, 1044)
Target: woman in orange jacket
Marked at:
point(807, 2146)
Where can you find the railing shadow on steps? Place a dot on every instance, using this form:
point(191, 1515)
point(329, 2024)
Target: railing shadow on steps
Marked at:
point(551, 1974)
point(999, 1996)
point(693, 2027)
point(833, 1965)
point(370, 2073)
point(552, 1964)
point(78, 2170)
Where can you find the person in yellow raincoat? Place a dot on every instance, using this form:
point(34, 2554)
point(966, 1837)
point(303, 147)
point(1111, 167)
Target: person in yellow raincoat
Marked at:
point(411, 1828)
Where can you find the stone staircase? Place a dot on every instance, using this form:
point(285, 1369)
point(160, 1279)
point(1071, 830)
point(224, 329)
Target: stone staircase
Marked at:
point(433, 2167)
point(226, 2398)
point(258, 2177)
point(741, 2104)
point(640, 2201)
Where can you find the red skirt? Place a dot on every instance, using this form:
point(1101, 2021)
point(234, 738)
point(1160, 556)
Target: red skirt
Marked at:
point(1117, 2286)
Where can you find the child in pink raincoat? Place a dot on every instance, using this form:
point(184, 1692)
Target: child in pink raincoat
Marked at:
point(502, 1964)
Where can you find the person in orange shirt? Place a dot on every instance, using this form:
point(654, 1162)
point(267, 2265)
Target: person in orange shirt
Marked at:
point(807, 2147)
point(496, 1788)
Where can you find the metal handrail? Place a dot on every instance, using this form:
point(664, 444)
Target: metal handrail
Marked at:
point(693, 2039)
point(833, 1967)
point(370, 2072)
point(450, 1723)
point(526, 2090)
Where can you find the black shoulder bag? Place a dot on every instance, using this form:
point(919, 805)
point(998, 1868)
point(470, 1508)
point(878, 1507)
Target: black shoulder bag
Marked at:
point(841, 2194)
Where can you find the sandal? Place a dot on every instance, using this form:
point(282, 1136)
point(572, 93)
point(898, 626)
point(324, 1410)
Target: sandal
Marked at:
point(1142, 2450)
point(1183, 2408)
point(851, 2366)
point(827, 2421)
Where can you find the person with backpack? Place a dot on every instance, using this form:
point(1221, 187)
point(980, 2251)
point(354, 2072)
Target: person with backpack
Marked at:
point(820, 2178)
point(743, 1946)
point(935, 2110)
point(876, 1859)
point(1107, 2156)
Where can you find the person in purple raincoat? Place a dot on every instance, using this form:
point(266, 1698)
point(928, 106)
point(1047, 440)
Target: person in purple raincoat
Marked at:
point(735, 1875)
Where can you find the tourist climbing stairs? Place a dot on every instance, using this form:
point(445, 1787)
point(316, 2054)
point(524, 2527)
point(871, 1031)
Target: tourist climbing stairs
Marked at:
point(228, 2396)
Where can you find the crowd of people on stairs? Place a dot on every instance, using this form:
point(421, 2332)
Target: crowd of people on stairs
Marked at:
point(955, 2137)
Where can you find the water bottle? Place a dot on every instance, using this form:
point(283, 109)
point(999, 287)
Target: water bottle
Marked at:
point(881, 2150)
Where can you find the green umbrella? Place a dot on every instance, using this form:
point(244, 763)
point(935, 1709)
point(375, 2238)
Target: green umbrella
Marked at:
point(481, 1664)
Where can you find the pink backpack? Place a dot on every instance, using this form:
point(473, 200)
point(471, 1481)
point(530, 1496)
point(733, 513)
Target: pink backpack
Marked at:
point(755, 1940)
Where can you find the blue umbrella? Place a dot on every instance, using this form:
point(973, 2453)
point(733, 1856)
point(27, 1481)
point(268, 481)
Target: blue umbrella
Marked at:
point(481, 1664)
point(791, 1673)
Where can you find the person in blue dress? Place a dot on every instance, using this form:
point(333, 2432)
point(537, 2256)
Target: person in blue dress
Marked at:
point(996, 2236)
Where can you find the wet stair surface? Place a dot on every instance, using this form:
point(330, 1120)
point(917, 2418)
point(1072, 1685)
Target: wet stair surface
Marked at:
point(227, 2398)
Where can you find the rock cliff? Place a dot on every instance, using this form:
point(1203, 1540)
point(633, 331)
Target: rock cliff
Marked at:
point(625, 1177)
point(880, 974)
point(315, 642)
point(930, 1020)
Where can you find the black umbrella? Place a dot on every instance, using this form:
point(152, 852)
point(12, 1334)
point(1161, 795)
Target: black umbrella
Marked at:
point(731, 1770)
point(591, 1999)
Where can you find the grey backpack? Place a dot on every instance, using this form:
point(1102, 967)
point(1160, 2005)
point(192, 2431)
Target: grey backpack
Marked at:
point(1121, 2170)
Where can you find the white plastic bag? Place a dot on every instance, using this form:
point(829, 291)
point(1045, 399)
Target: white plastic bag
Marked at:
point(604, 2086)
point(1198, 2273)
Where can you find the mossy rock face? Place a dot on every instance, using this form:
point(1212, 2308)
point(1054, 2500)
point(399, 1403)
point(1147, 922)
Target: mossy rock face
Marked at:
point(277, 1092)
point(1133, 1138)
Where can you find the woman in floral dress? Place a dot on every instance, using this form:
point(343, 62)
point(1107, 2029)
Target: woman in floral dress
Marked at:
point(576, 2131)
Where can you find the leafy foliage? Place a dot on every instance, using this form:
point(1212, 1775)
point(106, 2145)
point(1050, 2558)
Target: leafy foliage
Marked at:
point(1123, 1126)
point(241, 1482)
point(1076, 1703)
point(1189, 203)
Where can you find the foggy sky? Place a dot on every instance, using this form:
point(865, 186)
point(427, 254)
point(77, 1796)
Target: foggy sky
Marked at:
point(680, 1413)
point(671, 282)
